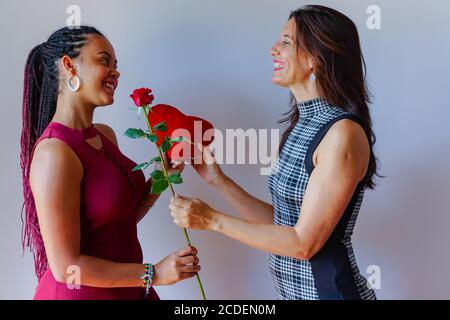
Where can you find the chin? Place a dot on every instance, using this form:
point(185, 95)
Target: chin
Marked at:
point(106, 104)
point(106, 101)
point(279, 82)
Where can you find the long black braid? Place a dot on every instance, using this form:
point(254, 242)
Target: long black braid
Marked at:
point(40, 94)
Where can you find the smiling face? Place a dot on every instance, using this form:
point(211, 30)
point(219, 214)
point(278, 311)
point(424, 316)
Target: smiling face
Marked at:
point(96, 67)
point(291, 66)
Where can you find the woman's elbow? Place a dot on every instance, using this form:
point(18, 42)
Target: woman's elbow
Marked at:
point(304, 254)
point(306, 247)
point(66, 272)
point(59, 275)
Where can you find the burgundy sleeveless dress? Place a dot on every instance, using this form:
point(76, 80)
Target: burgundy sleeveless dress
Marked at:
point(110, 192)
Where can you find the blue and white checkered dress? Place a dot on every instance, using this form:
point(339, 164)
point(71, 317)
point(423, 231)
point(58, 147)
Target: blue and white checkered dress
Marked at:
point(332, 273)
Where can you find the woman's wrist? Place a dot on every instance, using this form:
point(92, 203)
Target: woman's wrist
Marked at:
point(156, 275)
point(217, 218)
point(147, 277)
point(220, 181)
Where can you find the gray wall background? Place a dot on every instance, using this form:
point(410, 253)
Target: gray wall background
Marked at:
point(211, 58)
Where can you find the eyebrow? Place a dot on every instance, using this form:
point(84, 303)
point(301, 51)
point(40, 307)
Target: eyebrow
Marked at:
point(107, 53)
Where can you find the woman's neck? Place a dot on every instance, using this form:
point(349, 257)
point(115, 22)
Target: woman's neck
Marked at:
point(306, 91)
point(73, 114)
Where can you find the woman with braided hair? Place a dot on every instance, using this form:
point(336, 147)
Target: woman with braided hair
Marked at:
point(82, 201)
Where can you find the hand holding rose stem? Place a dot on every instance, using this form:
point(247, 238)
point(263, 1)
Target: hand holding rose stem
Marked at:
point(144, 101)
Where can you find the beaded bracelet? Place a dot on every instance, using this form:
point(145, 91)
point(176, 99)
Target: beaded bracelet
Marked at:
point(147, 277)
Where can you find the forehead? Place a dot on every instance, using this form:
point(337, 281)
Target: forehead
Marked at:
point(289, 28)
point(96, 44)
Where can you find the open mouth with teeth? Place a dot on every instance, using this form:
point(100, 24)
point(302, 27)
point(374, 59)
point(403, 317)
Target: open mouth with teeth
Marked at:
point(278, 65)
point(110, 87)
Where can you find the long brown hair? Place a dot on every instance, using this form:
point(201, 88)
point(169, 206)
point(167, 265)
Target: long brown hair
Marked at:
point(332, 39)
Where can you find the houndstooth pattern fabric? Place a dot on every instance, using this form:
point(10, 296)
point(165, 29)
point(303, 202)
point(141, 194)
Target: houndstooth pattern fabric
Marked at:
point(295, 279)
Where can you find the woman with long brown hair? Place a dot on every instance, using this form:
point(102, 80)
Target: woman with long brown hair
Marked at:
point(325, 164)
point(82, 199)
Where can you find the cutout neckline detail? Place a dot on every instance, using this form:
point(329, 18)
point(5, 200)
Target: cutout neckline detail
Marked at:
point(85, 133)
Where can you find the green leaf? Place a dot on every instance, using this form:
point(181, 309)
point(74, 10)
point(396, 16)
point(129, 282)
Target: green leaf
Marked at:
point(176, 178)
point(152, 137)
point(141, 165)
point(160, 126)
point(134, 133)
point(179, 139)
point(165, 146)
point(145, 165)
point(157, 175)
point(159, 186)
point(156, 159)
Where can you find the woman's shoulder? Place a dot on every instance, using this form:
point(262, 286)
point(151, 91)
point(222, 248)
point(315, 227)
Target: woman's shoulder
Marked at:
point(347, 127)
point(53, 147)
point(52, 155)
point(348, 134)
point(346, 140)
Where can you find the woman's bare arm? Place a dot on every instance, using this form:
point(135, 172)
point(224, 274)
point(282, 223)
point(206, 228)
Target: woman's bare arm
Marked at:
point(55, 179)
point(341, 164)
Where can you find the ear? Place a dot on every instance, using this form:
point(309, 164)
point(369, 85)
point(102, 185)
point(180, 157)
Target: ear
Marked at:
point(68, 66)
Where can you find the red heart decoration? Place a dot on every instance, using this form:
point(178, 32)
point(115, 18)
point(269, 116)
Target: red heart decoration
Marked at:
point(176, 120)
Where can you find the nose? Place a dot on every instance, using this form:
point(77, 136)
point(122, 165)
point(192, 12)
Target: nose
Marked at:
point(115, 73)
point(274, 51)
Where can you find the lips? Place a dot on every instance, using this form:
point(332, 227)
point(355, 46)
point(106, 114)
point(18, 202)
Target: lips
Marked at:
point(278, 65)
point(110, 86)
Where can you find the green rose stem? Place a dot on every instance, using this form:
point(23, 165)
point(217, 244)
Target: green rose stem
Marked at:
point(186, 235)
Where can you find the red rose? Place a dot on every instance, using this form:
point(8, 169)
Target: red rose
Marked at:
point(174, 120)
point(142, 97)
